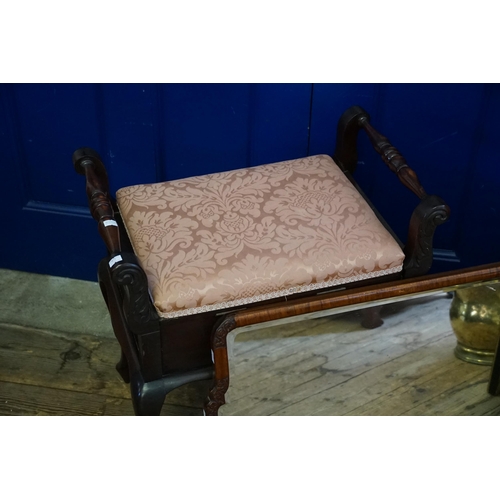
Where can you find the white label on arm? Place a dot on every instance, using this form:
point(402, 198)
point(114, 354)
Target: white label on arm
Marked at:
point(114, 260)
point(110, 223)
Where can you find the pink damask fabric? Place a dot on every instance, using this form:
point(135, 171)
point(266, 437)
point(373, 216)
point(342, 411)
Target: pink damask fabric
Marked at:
point(233, 238)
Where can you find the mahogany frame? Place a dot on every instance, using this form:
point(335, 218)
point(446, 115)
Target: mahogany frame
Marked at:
point(160, 354)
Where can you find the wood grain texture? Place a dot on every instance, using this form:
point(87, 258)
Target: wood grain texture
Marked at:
point(83, 365)
point(31, 400)
point(373, 293)
point(325, 366)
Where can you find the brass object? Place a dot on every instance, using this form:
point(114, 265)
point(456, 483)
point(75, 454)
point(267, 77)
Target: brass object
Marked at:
point(475, 319)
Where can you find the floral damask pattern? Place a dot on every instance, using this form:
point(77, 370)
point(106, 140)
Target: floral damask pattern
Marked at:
point(231, 238)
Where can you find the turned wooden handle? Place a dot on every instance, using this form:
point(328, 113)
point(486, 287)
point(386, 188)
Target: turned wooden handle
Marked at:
point(88, 163)
point(393, 159)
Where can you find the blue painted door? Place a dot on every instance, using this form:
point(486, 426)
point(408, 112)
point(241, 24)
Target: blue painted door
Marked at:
point(144, 133)
point(148, 133)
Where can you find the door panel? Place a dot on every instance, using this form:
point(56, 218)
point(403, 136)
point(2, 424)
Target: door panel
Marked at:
point(49, 119)
point(144, 133)
point(478, 237)
point(210, 128)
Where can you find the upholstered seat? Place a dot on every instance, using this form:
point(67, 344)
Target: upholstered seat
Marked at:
point(222, 240)
point(208, 254)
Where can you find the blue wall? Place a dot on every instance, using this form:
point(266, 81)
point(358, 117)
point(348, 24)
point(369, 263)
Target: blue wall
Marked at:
point(148, 133)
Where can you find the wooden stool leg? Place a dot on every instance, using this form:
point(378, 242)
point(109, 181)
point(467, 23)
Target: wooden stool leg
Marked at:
point(371, 317)
point(494, 384)
point(123, 369)
point(147, 397)
point(216, 397)
point(220, 385)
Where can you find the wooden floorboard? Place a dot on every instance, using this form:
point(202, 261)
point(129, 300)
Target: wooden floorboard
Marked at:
point(29, 400)
point(327, 366)
point(52, 369)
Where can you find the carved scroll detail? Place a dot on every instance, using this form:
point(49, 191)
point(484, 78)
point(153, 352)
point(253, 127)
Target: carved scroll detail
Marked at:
point(430, 213)
point(216, 394)
point(221, 332)
point(137, 305)
point(216, 397)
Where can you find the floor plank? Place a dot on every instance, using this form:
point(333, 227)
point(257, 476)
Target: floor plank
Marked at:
point(29, 400)
point(325, 366)
point(73, 362)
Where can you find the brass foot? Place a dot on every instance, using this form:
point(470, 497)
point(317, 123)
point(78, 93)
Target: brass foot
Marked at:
point(476, 356)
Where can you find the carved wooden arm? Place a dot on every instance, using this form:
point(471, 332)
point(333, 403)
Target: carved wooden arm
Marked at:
point(432, 210)
point(88, 163)
point(393, 159)
point(125, 269)
point(356, 118)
